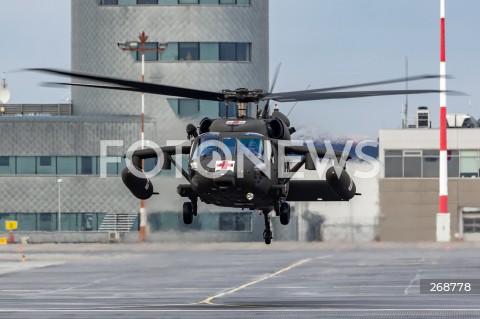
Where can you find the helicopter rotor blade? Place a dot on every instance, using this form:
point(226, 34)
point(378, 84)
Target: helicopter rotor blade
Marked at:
point(136, 86)
point(345, 95)
point(266, 108)
point(398, 80)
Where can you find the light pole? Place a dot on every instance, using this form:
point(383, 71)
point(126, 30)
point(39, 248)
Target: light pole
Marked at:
point(132, 46)
point(59, 182)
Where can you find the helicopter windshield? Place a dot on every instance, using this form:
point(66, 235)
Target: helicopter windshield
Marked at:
point(207, 146)
point(254, 145)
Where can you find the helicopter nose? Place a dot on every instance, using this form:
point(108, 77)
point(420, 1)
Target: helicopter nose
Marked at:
point(224, 180)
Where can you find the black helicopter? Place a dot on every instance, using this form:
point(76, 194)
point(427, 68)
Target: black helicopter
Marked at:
point(237, 161)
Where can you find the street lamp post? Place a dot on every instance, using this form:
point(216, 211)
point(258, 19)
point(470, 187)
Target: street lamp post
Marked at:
point(59, 182)
point(132, 46)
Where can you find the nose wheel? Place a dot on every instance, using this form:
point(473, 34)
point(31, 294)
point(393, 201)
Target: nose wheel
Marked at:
point(267, 233)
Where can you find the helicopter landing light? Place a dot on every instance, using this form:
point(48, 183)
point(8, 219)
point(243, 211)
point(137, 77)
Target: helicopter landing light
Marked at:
point(250, 196)
point(236, 122)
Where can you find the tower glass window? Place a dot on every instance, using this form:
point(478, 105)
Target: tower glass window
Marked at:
point(188, 51)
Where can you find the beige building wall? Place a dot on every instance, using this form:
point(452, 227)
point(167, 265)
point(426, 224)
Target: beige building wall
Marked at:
point(408, 206)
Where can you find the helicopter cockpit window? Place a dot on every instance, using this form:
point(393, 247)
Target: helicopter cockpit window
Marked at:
point(254, 145)
point(231, 144)
point(206, 146)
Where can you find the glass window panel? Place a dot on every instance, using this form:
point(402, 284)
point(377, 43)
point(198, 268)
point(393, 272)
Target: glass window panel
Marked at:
point(393, 167)
point(208, 1)
point(4, 161)
point(26, 165)
point(86, 165)
point(227, 1)
point(412, 166)
point(188, 107)
point(431, 166)
point(232, 109)
point(66, 165)
point(209, 108)
point(453, 166)
point(109, 2)
point(69, 222)
point(127, 2)
point(228, 51)
point(7, 165)
point(149, 55)
point(4, 217)
point(27, 221)
point(469, 164)
point(46, 165)
point(235, 222)
point(188, 51)
point(393, 153)
point(47, 221)
point(168, 2)
point(121, 165)
point(431, 152)
point(243, 2)
point(209, 51)
point(188, 1)
point(147, 1)
point(243, 51)
point(149, 164)
point(170, 53)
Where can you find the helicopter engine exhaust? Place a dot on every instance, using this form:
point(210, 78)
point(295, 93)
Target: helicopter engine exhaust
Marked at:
point(342, 184)
point(141, 188)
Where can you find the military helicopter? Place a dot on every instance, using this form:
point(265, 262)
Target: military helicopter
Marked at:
point(238, 161)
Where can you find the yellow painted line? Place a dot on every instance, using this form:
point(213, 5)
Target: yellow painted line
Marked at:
point(208, 301)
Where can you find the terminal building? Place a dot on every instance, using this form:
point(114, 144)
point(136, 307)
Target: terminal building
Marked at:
point(50, 155)
point(409, 181)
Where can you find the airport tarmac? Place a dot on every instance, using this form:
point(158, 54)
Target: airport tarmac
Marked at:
point(241, 280)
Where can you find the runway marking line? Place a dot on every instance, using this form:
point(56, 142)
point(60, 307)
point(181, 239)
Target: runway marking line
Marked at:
point(208, 301)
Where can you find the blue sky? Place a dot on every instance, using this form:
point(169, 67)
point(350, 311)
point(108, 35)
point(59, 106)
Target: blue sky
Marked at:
point(319, 43)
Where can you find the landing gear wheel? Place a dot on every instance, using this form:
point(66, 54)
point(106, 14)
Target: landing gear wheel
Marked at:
point(187, 213)
point(284, 213)
point(267, 236)
point(267, 233)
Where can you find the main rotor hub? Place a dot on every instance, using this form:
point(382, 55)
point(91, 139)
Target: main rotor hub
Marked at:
point(243, 95)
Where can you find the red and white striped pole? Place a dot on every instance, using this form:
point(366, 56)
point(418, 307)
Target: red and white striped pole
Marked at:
point(443, 217)
point(143, 214)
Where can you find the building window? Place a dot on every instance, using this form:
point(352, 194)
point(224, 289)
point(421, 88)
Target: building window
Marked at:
point(26, 165)
point(66, 165)
point(188, 107)
point(426, 164)
point(46, 165)
point(149, 55)
point(235, 222)
point(4, 161)
point(7, 165)
point(197, 51)
point(108, 2)
point(147, 1)
point(86, 165)
point(188, 51)
point(173, 2)
point(431, 164)
point(471, 223)
point(469, 164)
point(234, 51)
